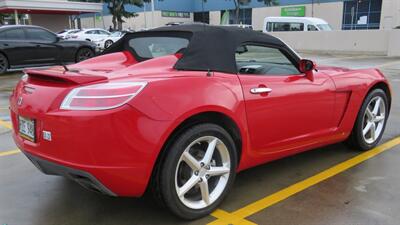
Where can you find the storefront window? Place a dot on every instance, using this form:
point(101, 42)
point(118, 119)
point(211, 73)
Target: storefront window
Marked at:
point(244, 16)
point(361, 14)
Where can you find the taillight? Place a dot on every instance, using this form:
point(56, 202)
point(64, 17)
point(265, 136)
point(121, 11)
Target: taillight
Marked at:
point(102, 96)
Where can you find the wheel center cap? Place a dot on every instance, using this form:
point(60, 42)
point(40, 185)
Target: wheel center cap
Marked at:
point(202, 172)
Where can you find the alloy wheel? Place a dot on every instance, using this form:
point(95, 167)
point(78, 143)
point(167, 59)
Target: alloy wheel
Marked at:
point(374, 120)
point(84, 54)
point(202, 172)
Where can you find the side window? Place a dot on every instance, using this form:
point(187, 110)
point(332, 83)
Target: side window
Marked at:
point(90, 32)
point(103, 32)
point(261, 60)
point(12, 34)
point(311, 28)
point(40, 35)
point(286, 26)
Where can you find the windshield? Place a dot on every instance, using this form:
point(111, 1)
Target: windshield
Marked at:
point(116, 34)
point(324, 27)
point(152, 47)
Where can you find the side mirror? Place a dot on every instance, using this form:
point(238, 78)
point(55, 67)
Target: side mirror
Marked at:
point(241, 49)
point(307, 66)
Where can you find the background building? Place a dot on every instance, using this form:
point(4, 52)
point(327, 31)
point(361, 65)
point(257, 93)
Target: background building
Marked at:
point(341, 14)
point(52, 14)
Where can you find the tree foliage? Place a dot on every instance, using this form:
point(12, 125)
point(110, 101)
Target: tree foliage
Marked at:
point(2, 18)
point(238, 3)
point(119, 12)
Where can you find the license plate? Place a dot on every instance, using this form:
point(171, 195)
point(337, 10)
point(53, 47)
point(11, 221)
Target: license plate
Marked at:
point(27, 128)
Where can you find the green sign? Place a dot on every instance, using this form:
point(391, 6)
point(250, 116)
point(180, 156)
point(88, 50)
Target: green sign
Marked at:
point(293, 11)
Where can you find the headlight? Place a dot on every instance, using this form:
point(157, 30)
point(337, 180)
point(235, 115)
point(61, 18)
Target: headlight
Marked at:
point(102, 96)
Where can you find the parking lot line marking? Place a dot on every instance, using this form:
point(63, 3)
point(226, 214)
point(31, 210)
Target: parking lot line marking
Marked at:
point(11, 152)
point(225, 218)
point(5, 124)
point(285, 193)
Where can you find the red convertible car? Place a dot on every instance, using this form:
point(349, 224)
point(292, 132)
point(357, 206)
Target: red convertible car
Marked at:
point(178, 111)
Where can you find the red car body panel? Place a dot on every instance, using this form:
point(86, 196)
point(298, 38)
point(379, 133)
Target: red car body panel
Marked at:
point(119, 147)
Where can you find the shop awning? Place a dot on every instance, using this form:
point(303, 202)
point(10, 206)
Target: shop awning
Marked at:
point(49, 7)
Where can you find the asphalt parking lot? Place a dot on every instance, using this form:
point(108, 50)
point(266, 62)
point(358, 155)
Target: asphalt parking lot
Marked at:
point(330, 185)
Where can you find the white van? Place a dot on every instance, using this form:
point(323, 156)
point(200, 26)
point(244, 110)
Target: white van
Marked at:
point(275, 24)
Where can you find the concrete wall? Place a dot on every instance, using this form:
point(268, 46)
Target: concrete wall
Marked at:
point(371, 42)
point(331, 12)
point(135, 23)
point(54, 23)
point(390, 16)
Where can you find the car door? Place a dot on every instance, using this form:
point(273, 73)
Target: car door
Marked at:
point(89, 35)
point(43, 46)
point(286, 109)
point(13, 44)
point(101, 34)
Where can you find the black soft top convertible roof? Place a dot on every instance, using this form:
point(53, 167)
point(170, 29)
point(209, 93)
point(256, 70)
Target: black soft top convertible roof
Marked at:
point(211, 48)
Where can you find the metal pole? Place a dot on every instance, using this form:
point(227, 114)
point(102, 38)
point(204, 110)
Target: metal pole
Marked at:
point(102, 14)
point(152, 13)
point(312, 8)
point(144, 14)
point(16, 17)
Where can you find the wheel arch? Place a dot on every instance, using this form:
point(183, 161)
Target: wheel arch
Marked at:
point(214, 117)
point(385, 87)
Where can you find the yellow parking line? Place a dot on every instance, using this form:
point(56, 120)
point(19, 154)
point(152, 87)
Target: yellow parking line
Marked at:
point(12, 152)
point(302, 185)
point(5, 124)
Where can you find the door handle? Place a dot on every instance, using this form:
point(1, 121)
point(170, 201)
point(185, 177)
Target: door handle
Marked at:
point(260, 90)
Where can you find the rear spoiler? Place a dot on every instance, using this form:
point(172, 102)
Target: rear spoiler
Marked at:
point(67, 76)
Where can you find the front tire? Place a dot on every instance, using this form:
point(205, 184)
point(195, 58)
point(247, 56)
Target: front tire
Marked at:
point(108, 43)
point(371, 121)
point(3, 64)
point(197, 171)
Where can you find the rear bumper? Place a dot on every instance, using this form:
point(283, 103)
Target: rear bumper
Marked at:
point(113, 151)
point(83, 178)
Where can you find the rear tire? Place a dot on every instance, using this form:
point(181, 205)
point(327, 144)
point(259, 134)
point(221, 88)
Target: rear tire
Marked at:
point(3, 64)
point(197, 171)
point(83, 54)
point(371, 121)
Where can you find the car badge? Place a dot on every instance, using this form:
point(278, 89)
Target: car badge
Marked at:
point(47, 135)
point(19, 102)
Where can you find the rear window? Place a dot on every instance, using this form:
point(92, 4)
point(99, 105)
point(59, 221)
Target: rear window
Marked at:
point(152, 47)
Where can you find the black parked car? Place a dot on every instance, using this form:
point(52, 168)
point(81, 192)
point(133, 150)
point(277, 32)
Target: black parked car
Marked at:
point(32, 46)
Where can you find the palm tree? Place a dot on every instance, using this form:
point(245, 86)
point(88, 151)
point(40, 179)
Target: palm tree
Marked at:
point(270, 2)
point(238, 3)
point(118, 11)
point(2, 17)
